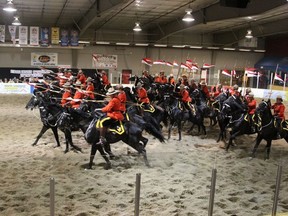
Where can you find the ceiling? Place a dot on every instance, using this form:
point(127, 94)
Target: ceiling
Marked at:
point(160, 19)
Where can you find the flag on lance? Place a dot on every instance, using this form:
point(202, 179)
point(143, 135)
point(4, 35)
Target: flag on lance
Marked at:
point(207, 66)
point(147, 61)
point(278, 77)
point(251, 72)
point(233, 73)
point(169, 64)
point(189, 63)
point(175, 64)
point(159, 62)
point(226, 72)
point(185, 66)
point(194, 67)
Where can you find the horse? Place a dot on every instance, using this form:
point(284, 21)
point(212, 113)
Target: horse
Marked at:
point(50, 113)
point(267, 129)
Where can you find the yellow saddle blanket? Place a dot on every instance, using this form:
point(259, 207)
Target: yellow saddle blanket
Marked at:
point(117, 128)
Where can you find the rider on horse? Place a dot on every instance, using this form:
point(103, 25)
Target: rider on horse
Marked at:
point(122, 97)
point(279, 110)
point(251, 104)
point(113, 113)
point(90, 88)
point(66, 94)
point(142, 95)
point(186, 99)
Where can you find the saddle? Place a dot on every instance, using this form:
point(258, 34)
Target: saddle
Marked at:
point(116, 127)
point(147, 108)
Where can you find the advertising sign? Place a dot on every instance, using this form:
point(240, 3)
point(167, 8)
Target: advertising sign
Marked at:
point(104, 61)
point(44, 59)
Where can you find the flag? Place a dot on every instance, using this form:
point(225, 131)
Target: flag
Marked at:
point(207, 66)
point(189, 63)
point(251, 72)
point(159, 62)
point(169, 64)
point(185, 66)
point(278, 77)
point(226, 72)
point(23, 35)
point(175, 64)
point(147, 61)
point(194, 67)
point(233, 73)
point(34, 35)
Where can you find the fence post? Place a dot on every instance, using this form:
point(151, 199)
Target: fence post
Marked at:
point(212, 192)
point(137, 194)
point(52, 196)
point(277, 189)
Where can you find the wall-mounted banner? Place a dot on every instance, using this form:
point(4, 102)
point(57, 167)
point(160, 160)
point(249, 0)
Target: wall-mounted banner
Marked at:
point(74, 38)
point(44, 59)
point(23, 35)
point(44, 35)
point(2, 33)
point(34, 35)
point(104, 61)
point(64, 37)
point(12, 30)
point(15, 88)
point(55, 35)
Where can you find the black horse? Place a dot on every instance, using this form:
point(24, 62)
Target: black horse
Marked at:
point(49, 114)
point(266, 124)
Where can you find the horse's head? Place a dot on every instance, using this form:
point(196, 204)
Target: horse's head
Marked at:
point(32, 103)
point(263, 106)
point(226, 109)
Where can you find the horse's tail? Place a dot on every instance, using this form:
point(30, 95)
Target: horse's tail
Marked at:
point(154, 132)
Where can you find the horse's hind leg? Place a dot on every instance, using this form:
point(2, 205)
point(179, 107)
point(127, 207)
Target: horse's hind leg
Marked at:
point(258, 140)
point(268, 148)
point(103, 154)
point(55, 132)
point(180, 130)
point(68, 138)
point(144, 141)
point(108, 150)
point(43, 130)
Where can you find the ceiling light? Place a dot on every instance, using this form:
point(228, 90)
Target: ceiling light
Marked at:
point(213, 48)
point(188, 16)
point(137, 27)
point(249, 34)
point(9, 7)
point(141, 44)
point(16, 21)
point(102, 42)
point(261, 50)
point(122, 44)
point(228, 48)
point(196, 47)
point(83, 42)
point(178, 46)
point(244, 50)
point(160, 45)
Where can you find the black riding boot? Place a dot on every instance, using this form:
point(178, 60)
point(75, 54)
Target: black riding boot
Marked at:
point(102, 139)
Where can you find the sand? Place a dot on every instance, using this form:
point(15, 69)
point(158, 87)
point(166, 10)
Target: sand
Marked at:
point(178, 182)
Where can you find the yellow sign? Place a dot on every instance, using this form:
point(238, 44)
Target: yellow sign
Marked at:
point(55, 35)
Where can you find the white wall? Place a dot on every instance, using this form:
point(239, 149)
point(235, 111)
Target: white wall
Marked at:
point(130, 57)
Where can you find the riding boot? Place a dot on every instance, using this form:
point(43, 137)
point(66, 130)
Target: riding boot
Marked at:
point(102, 139)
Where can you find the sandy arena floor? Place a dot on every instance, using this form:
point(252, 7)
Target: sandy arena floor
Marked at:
point(177, 184)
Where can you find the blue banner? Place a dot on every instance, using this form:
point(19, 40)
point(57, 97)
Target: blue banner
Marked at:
point(44, 36)
point(64, 37)
point(74, 38)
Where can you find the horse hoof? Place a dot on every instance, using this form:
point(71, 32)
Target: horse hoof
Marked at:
point(112, 156)
point(66, 151)
point(108, 166)
point(34, 144)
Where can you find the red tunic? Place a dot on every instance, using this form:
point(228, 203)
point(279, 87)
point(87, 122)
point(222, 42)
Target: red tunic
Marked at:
point(251, 106)
point(66, 95)
point(206, 91)
point(90, 90)
point(172, 81)
point(105, 80)
point(157, 80)
point(279, 110)
point(163, 80)
point(142, 94)
point(76, 103)
point(185, 96)
point(113, 109)
point(82, 79)
point(123, 99)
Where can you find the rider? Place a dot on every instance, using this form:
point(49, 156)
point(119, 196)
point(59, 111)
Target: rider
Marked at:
point(81, 77)
point(186, 99)
point(279, 110)
point(142, 95)
point(122, 98)
point(105, 80)
point(251, 104)
point(113, 113)
point(90, 88)
point(163, 79)
point(78, 95)
point(171, 80)
point(204, 89)
point(67, 93)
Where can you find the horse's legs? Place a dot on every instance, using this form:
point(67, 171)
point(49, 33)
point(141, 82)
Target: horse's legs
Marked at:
point(144, 141)
point(69, 140)
point(43, 130)
point(268, 148)
point(258, 140)
point(169, 128)
point(55, 132)
point(204, 128)
point(107, 149)
point(233, 135)
point(179, 129)
point(134, 142)
point(94, 149)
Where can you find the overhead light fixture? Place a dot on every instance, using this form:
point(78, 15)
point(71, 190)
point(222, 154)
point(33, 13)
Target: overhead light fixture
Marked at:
point(196, 47)
point(249, 34)
point(227, 48)
point(141, 44)
point(16, 21)
point(262, 51)
point(83, 42)
point(9, 7)
point(245, 50)
point(137, 27)
point(122, 44)
point(214, 48)
point(102, 42)
point(188, 16)
point(160, 45)
point(178, 46)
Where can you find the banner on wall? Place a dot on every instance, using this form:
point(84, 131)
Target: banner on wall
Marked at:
point(64, 37)
point(34, 35)
point(23, 35)
point(15, 88)
point(44, 35)
point(55, 35)
point(104, 61)
point(2, 33)
point(12, 30)
point(74, 38)
point(44, 59)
